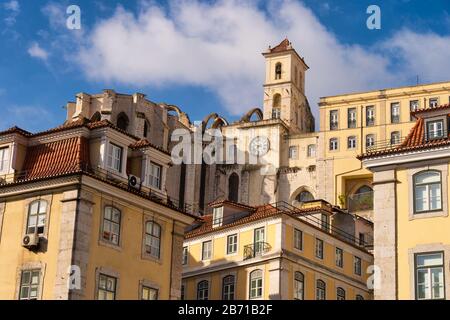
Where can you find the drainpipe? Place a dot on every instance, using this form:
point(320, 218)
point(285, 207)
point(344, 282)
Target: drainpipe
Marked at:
point(171, 261)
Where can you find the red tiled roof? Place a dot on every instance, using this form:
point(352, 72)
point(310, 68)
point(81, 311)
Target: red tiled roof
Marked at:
point(283, 46)
point(424, 110)
point(15, 129)
point(144, 143)
point(57, 157)
point(217, 203)
point(259, 212)
point(415, 139)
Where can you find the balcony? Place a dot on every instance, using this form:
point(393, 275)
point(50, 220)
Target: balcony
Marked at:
point(256, 249)
point(360, 202)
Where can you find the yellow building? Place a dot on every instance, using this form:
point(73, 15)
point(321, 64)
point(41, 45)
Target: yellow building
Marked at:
point(412, 242)
point(351, 124)
point(76, 221)
point(276, 251)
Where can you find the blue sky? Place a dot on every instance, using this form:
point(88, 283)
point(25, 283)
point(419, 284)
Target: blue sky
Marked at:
point(204, 56)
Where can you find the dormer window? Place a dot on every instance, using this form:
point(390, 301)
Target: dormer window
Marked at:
point(278, 71)
point(217, 217)
point(435, 129)
point(115, 157)
point(4, 160)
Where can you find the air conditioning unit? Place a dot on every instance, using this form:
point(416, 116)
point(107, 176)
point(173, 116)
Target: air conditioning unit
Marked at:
point(30, 240)
point(134, 182)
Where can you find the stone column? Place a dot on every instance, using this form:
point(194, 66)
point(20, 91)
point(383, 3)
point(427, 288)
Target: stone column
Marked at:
point(385, 231)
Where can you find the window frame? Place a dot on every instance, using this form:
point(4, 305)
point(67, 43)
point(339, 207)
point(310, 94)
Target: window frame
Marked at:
point(300, 242)
point(230, 294)
point(429, 267)
point(297, 281)
point(203, 250)
point(334, 120)
point(293, 152)
point(339, 262)
point(441, 207)
point(413, 108)
point(311, 151)
point(340, 293)
point(316, 249)
point(203, 290)
point(257, 287)
point(107, 276)
point(185, 254)
point(112, 222)
point(321, 289)
point(144, 287)
point(152, 237)
point(232, 244)
point(357, 271)
point(110, 156)
point(151, 177)
point(30, 284)
point(395, 117)
point(352, 118)
point(433, 122)
point(372, 136)
point(352, 145)
point(392, 142)
point(370, 116)
point(333, 141)
point(38, 214)
point(5, 160)
point(434, 99)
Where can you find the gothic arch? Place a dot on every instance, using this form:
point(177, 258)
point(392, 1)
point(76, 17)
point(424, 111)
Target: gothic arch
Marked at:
point(96, 117)
point(233, 187)
point(182, 116)
point(303, 189)
point(248, 115)
point(217, 121)
point(122, 121)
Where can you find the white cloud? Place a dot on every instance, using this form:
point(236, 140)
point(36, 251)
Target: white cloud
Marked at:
point(56, 14)
point(37, 52)
point(218, 46)
point(13, 8)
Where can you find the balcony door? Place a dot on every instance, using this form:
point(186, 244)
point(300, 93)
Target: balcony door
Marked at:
point(259, 241)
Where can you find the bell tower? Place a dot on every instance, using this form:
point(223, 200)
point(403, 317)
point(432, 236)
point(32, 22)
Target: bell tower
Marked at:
point(284, 88)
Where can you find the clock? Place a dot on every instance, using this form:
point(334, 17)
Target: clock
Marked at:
point(259, 146)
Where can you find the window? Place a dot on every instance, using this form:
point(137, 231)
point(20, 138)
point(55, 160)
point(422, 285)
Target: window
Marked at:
point(319, 249)
point(146, 129)
point(413, 106)
point(106, 287)
point(111, 225)
point(429, 276)
point(304, 196)
point(299, 286)
point(29, 284)
point(333, 144)
point(395, 137)
point(203, 290)
point(122, 121)
point(395, 112)
point(340, 294)
point(427, 191)
point(362, 239)
point(154, 175)
point(152, 239)
point(228, 288)
point(4, 160)
point(276, 113)
point(359, 297)
point(115, 157)
point(370, 140)
point(233, 187)
point(185, 255)
point(149, 293)
point(232, 244)
point(206, 250)
point(324, 221)
point(217, 216)
point(256, 284)
point(320, 290)
point(435, 129)
point(339, 257)
point(293, 152)
point(357, 266)
point(351, 117)
point(278, 71)
point(298, 239)
point(370, 116)
point(258, 239)
point(311, 152)
point(334, 120)
point(37, 216)
point(434, 102)
point(351, 142)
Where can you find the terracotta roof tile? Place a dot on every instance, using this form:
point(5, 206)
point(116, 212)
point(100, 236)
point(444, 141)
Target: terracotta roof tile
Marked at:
point(282, 46)
point(56, 158)
point(15, 129)
point(144, 143)
point(424, 110)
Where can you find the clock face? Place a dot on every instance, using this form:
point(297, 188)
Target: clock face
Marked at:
point(259, 146)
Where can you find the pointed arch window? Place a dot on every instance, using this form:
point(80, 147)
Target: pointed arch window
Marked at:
point(233, 187)
point(122, 121)
point(278, 71)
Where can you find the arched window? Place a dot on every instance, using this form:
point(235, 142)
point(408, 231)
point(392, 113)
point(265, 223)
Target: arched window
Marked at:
point(276, 106)
point(96, 117)
point(228, 288)
point(233, 187)
point(304, 196)
point(202, 290)
point(122, 121)
point(364, 189)
point(320, 290)
point(256, 284)
point(37, 216)
point(359, 297)
point(146, 128)
point(111, 225)
point(152, 239)
point(427, 191)
point(299, 285)
point(278, 71)
point(340, 294)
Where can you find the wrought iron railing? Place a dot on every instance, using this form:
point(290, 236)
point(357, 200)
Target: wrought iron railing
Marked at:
point(387, 144)
point(256, 249)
